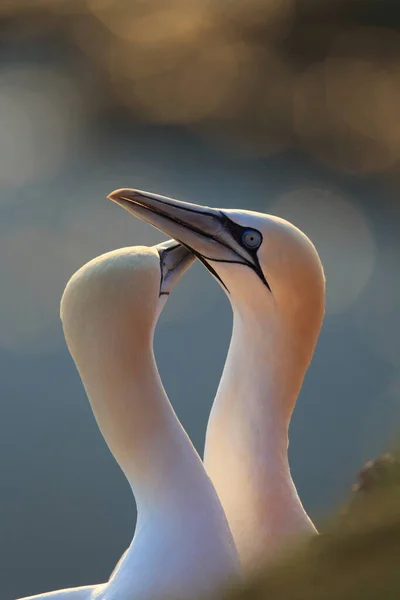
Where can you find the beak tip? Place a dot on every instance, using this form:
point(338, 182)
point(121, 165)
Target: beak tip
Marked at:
point(116, 195)
point(127, 194)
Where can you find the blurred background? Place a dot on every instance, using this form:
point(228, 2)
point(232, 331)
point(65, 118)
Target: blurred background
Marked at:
point(284, 106)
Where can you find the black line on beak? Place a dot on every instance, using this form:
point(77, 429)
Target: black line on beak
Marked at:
point(234, 229)
point(209, 268)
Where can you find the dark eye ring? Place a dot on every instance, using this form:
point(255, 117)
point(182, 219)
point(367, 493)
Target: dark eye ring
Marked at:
point(251, 238)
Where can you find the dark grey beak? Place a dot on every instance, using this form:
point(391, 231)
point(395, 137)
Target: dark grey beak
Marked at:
point(208, 232)
point(175, 259)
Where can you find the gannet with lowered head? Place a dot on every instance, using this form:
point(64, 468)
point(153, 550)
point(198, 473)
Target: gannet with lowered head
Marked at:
point(182, 544)
point(274, 279)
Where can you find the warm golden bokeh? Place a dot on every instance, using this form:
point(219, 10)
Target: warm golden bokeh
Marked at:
point(256, 73)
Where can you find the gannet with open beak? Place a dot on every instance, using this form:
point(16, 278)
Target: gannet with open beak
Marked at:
point(275, 282)
point(182, 545)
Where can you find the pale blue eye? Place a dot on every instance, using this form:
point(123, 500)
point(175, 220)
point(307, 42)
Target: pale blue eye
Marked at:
point(251, 238)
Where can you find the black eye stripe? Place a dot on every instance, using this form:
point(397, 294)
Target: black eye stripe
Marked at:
point(237, 232)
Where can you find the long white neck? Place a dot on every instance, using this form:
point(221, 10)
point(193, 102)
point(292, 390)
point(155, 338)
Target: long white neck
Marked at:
point(139, 424)
point(247, 440)
point(182, 542)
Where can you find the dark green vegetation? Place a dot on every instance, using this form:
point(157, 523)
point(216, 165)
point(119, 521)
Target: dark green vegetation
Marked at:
point(356, 558)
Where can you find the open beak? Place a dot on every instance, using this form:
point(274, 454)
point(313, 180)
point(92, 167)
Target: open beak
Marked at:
point(175, 259)
point(207, 232)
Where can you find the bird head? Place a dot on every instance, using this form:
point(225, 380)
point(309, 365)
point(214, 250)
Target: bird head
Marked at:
point(112, 303)
point(267, 266)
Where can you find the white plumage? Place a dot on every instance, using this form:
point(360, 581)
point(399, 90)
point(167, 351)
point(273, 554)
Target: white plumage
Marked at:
point(274, 280)
point(182, 544)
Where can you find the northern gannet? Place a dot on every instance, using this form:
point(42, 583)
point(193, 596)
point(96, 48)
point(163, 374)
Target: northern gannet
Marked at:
point(275, 282)
point(182, 546)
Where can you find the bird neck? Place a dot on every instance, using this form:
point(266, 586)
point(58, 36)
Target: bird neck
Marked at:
point(139, 424)
point(247, 436)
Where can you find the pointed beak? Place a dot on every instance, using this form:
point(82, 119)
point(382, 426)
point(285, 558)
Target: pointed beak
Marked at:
point(175, 259)
point(207, 232)
point(195, 226)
